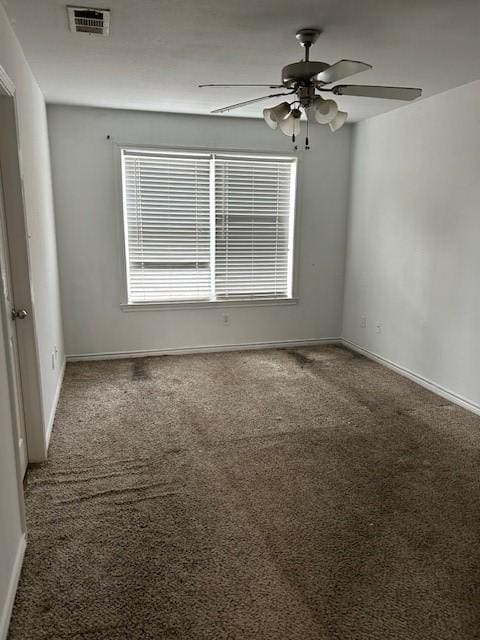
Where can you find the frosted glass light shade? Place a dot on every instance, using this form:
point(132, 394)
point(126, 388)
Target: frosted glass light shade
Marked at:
point(290, 126)
point(273, 115)
point(338, 121)
point(324, 110)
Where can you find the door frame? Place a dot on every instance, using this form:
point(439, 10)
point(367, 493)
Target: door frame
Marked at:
point(17, 230)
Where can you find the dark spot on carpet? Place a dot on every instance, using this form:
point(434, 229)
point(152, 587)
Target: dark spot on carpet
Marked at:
point(139, 369)
point(300, 358)
point(307, 495)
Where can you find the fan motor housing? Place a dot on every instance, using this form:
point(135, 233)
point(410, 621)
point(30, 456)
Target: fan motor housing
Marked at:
point(301, 73)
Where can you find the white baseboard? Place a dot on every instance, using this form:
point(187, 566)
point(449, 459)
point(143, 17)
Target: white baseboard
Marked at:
point(7, 606)
point(411, 375)
point(54, 404)
point(274, 344)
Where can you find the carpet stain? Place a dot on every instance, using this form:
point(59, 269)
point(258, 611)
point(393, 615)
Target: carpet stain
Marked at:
point(139, 369)
point(274, 495)
point(300, 357)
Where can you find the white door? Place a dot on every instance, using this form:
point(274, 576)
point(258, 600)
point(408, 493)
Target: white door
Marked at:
point(12, 317)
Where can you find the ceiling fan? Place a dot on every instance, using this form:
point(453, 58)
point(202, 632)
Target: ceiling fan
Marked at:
point(303, 80)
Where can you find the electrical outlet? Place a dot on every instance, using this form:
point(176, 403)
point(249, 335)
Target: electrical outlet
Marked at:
point(363, 321)
point(226, 318)
point(379, 327)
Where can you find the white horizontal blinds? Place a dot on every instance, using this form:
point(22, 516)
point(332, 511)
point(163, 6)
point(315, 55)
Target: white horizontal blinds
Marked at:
point(253, 206)
point(167, 206)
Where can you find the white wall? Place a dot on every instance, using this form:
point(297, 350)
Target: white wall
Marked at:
point(40, 221)
point(89, 219)
point(413, 255)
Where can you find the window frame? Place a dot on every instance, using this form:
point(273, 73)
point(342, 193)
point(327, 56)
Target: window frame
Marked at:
point(127, 305)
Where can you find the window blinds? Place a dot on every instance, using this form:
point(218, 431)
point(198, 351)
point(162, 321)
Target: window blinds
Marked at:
point(252, 210)
point(167, 206)
point(207, 226)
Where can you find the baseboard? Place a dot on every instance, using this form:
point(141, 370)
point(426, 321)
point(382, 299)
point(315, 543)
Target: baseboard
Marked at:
point(411, 375)
point(51, 419)
point(282, 344)
point(12, 588)
point(245, 346)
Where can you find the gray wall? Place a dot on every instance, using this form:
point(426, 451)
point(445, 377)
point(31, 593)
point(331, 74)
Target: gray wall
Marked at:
point(89, 219)
point(33, 140)
point(413, 255)
point(40, 220)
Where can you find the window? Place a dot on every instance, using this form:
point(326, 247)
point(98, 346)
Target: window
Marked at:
point(207, 227)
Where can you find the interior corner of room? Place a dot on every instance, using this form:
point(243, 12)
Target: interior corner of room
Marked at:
point(374, 238)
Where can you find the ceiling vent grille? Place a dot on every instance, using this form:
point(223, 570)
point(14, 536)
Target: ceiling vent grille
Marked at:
point(89, 20)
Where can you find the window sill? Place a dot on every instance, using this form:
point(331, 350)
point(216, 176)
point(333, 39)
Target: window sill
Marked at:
point(167, 306)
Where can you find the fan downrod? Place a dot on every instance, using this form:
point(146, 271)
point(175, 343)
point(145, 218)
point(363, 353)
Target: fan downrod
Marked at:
point(306, 38)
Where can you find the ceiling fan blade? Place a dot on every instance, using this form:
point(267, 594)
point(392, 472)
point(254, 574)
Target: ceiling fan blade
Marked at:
point(244, 104)
point(339, 70)
point(269, 86)
point(390, 93)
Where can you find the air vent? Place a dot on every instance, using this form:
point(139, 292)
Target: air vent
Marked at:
point(89, 20)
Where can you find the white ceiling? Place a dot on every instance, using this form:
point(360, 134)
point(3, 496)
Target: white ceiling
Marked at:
point(159, 50)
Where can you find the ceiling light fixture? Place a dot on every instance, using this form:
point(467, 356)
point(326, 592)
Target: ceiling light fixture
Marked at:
point(338, 121)
point(287, 117)
point(303, 80)
point(324, 110)
point(274, 115)
point(290, 126)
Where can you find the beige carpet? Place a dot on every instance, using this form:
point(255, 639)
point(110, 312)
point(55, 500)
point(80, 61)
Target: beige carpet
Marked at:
point(270, 495)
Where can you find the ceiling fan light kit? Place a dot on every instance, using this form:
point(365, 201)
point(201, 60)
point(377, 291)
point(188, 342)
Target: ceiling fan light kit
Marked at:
point(324, 110)
point(290, 126)
point(306, 80)
point(274, 115)
point(338, 121)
